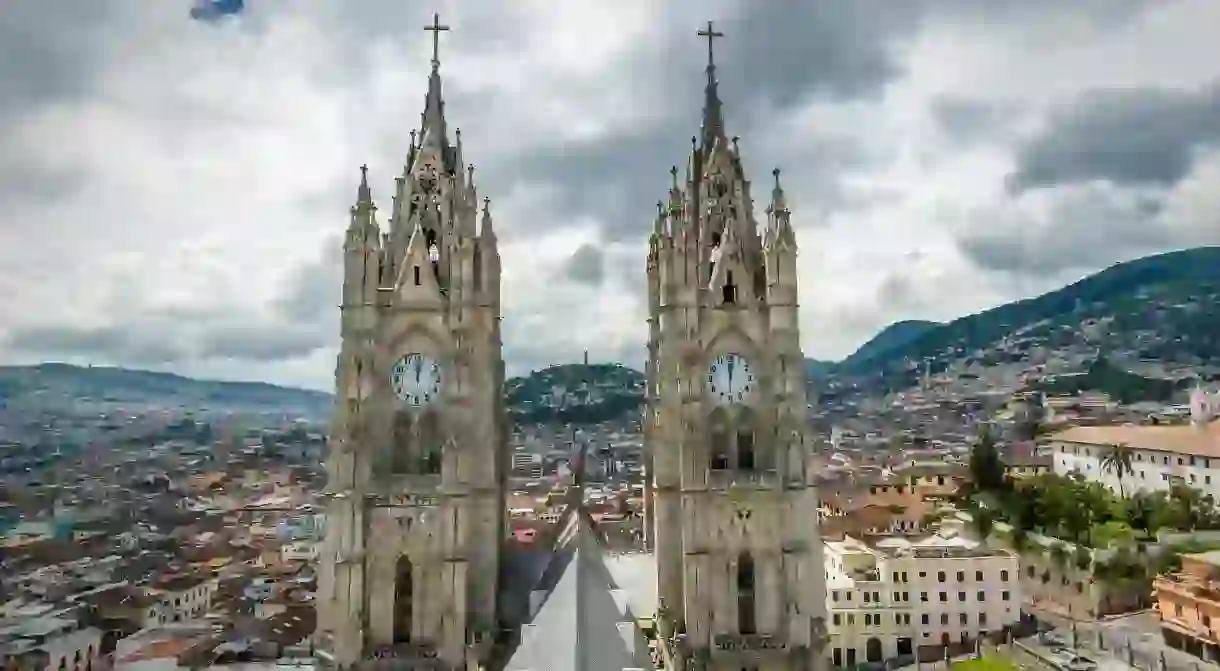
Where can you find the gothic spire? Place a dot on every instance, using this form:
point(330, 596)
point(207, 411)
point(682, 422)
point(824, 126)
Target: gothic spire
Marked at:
point(364, 195)
point(486, 232)
point(713, 115)
point(781, 230)
point(432, 126)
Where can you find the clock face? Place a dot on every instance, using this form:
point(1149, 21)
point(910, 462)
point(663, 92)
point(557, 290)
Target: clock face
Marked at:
point(730, 379)
point(416, 380)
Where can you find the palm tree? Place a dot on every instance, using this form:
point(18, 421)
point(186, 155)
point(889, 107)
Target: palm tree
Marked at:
point(1117, 460)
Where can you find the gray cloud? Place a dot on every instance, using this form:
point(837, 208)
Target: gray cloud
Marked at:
point(127, 343)
point(966, 120)
point(1080, 229)
point(41, 56)
point(587, 265)
point(1135, 137)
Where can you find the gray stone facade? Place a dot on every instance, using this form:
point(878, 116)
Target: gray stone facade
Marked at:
point(418, 456)
point(732, 509)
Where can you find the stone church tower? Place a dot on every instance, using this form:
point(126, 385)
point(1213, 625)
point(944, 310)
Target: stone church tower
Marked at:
point(417, 460)
point(733, 511)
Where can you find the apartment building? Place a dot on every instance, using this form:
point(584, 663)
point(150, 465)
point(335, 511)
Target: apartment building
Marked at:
point(181, 598)
point(1188, 603)
point(49, 644)
point(527, 464)
point(899, 598)
point(1162, 455)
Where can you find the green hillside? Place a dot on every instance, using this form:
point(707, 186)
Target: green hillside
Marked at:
point(891, 337)
point(1163, 306)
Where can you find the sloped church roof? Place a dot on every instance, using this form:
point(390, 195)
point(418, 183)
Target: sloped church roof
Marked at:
point(583, 622)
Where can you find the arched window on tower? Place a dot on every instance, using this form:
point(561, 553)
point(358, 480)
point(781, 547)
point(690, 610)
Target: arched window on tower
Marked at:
point(477, 269)
point(746, 460)
point(729, 290)
point(402, 448)
point(430, 443)
point(719, 441)
point(404, 596)
point(745, 594)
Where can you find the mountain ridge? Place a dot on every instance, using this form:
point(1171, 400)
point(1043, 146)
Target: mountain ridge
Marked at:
point(1198, 267)
point(895, 335)
point(1158, 306)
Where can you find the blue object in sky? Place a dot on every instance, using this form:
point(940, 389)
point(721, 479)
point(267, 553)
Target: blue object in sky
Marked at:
point(213, 10)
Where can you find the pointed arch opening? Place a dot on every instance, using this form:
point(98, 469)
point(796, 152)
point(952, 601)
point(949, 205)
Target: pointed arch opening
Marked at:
point(403, 443)
point(745, 594)
point(431, 443)
point(719, 427)
point(404, 592)
point(747, 460)
point(873, 651)
point(729, 290)
point(477, 269)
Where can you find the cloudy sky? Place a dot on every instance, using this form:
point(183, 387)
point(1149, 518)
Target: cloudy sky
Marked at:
point(171, 190)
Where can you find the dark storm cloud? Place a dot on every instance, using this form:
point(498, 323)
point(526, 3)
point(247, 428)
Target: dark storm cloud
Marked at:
point(586, 266)
point(42, 63)
point(315, 288)
point(778, 53)
point(1083, 230)
point(896, 292)
point(43, 53)
point(127, 343)
point(967, 120)
point(243, 343)
point(1135, 137)
point(304, 319)
point(159, 339)
point(33, 183)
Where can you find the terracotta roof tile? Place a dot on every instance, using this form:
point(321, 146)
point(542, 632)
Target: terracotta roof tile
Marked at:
point(1188, 439)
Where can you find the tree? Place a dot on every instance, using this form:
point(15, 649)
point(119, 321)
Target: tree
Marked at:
point(983, 521)
point(1020, 539)
point(1117, 460)
point(1140, 512)
point(986, 469)
point(1187, 506)
point(1083, 558)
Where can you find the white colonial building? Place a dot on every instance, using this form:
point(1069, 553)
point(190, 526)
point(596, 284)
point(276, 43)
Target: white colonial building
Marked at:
point(897, 596)
point(1162, 455)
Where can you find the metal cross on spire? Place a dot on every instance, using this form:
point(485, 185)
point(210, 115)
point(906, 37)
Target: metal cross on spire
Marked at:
point(436, 29)
point(711, 34)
